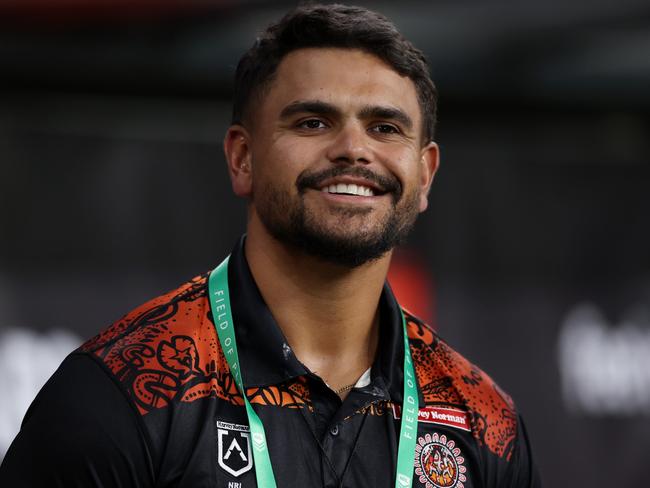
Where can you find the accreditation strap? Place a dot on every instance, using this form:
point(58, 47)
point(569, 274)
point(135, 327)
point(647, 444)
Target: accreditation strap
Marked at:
point(223, 322)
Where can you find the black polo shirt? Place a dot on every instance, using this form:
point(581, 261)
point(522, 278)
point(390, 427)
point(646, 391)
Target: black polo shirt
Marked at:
point(151, 402)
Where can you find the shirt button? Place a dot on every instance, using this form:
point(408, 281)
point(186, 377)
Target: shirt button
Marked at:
point(334, 430)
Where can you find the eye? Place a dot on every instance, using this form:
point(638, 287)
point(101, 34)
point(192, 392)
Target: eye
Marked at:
point(311, 124)
point(385, 129)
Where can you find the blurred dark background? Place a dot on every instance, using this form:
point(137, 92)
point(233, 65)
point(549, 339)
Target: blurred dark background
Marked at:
point(113, 189)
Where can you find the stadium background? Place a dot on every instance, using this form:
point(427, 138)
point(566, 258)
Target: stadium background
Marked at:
point(533, 258)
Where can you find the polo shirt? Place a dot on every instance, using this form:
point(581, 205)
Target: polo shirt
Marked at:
point(150, 402)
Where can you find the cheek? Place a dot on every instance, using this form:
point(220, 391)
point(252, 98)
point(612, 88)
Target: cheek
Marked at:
point(288, 146)
point(272, 174)
point(280, 152)
point(406, 168)
point(286, 159)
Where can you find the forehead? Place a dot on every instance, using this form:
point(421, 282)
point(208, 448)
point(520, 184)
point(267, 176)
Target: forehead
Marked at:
point(348, 78)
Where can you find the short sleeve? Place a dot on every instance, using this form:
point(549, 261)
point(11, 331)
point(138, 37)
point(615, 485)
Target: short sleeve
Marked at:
point(80, 431)
point(522, 469)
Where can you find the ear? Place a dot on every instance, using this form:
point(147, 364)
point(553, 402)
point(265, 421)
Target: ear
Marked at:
point(236, 146)
point(429, 162)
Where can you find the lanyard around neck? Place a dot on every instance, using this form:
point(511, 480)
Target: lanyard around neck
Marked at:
point(223, 323)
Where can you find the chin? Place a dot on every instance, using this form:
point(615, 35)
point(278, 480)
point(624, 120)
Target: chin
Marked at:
point(348, 249)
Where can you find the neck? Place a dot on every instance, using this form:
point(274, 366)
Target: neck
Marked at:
point(328, 313)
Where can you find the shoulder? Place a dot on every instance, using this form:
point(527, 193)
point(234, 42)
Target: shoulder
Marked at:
point(165, 350)
point(79, 430)
point(165, 309)
point(446, 378)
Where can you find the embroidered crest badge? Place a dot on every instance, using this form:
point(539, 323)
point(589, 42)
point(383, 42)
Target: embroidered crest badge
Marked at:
point(234, 448)
point(439, 463)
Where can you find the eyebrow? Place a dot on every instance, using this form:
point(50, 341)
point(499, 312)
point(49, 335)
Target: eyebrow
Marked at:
point(387, 113)
point(309, 106)
point(368, 112)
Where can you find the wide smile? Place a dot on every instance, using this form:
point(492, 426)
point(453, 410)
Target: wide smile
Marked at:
point(350, 189)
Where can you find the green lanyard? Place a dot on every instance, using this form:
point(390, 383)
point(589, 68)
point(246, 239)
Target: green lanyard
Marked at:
point(223, 322)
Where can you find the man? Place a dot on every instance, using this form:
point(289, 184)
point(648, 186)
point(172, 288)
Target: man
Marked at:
point(331, 143)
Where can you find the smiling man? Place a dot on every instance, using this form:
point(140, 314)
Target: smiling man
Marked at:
point(345, 165)
point(291, 364)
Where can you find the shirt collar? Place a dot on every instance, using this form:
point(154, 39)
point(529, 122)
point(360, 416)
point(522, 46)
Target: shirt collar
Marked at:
point(264, 353)
point(266, 357)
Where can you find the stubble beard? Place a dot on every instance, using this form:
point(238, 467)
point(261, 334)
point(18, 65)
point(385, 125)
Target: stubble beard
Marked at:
point(289, 220)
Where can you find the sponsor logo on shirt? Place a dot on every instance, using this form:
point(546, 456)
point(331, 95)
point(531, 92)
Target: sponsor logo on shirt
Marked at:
point(234, 448)
point(438, 462)
point(452, 417)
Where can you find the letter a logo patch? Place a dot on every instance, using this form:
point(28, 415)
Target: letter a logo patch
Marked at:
point(234, 448)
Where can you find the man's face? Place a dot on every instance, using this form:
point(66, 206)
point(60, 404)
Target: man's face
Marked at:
point(338, 168)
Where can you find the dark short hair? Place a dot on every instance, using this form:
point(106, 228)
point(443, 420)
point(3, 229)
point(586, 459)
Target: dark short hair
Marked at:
point(339, 26)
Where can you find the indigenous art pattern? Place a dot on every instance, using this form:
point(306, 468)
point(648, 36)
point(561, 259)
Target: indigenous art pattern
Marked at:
point(439, 463)
point(447, 378)
point(167, 350)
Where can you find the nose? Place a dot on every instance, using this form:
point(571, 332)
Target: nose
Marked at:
point(351, 145)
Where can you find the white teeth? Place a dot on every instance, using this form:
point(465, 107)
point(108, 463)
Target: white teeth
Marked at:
point(350, 189)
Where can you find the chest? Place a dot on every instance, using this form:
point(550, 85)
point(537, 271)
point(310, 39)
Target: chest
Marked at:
point(210, 445)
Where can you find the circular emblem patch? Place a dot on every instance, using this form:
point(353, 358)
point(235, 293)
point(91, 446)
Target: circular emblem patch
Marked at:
point(438, 462)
